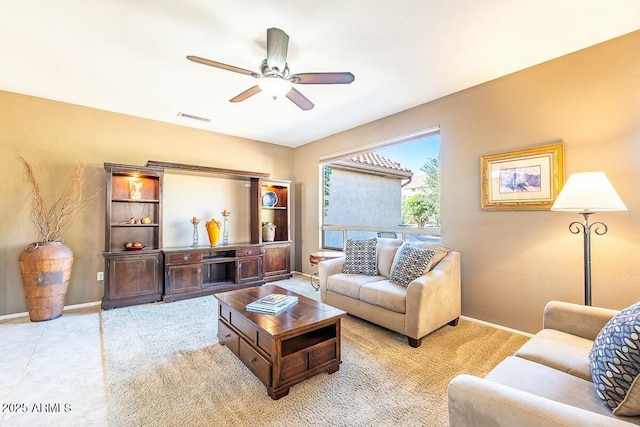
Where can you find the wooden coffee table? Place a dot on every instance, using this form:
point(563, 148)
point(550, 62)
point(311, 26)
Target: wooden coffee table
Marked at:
point(283, 349)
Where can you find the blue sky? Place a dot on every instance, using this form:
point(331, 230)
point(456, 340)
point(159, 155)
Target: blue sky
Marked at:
point(412, 155)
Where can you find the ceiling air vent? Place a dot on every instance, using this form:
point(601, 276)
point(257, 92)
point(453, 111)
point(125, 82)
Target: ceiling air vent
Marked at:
point(192, 117)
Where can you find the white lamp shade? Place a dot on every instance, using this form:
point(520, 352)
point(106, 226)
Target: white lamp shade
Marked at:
point(588, 192)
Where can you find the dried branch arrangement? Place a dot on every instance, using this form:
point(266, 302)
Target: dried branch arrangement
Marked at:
point(53, 217)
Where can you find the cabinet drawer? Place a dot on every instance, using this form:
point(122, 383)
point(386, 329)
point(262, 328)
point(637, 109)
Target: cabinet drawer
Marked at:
point(326, 352)
point(184, 278)
point(293, 365)
point(225, 313)
point(260, 366)
point(249, 251)
point(265, 343)
point(183, 258)
point(228, 338)
point(249, 269)
point(245, 328)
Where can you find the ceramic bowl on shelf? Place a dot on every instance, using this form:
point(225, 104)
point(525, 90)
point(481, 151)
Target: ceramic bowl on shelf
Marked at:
point(269, 199)
point(133, 246)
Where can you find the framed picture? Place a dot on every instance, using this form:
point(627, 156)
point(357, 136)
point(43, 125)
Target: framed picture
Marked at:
point(528, 179)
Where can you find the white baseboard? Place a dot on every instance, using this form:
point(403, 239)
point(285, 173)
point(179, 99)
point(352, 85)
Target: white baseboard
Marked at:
point(66, 307)
point(493, 325)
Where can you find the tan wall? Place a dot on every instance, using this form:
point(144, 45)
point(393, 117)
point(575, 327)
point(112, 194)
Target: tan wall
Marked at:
point(32, 127)
point(513, 262)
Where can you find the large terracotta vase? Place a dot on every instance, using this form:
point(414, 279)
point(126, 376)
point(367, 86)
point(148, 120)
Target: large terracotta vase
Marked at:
point(46, 270)
point(213, 230)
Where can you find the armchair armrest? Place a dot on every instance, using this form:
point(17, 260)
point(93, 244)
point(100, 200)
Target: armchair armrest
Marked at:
point(325, 269)
point(434, 298)
point(575, 319)
point(476, 401)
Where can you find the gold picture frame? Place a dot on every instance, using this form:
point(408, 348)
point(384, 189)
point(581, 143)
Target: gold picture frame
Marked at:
point(528, 179)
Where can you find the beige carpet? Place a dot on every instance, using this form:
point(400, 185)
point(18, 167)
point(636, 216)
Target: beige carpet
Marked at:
point(163, 367)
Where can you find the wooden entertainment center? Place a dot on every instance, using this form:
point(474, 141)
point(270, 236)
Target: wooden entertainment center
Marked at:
point(149, 272)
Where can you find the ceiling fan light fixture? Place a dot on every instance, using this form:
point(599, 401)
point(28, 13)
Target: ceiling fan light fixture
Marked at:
point(275, 87)
point(274, 78)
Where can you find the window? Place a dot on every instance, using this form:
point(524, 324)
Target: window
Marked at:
point(392, 188)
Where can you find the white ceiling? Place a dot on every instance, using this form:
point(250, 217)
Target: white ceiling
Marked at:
point(128, 56)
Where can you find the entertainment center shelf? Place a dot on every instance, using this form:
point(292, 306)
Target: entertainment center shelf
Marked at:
point(133, 214)
point(204, 270)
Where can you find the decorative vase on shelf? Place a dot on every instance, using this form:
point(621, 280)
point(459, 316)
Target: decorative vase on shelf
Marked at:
point(46, 269)
point(195, 221)
point(225, 227)
point(268, 232)
point(213, 230)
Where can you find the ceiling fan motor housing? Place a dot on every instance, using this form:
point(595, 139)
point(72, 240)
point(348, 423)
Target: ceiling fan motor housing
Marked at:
point(270, 72)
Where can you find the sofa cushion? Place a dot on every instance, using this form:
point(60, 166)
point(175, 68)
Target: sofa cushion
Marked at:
point(360, 257)
point(385, 294)
point(559, 350)
point(410, 263)
point(441, 251)
point(615, 362)
point(387, 249)
point(543, 381)
point(349, 284)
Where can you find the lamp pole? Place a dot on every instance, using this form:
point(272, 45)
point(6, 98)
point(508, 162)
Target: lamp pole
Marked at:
point(599, 228)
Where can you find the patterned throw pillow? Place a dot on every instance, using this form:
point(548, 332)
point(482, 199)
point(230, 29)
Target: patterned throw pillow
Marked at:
point(410, 264)
point(615, 362)
point(360, 257)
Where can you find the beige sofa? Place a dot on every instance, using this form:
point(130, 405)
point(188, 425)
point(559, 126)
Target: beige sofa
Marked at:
point(427, 303)
point(546, 383)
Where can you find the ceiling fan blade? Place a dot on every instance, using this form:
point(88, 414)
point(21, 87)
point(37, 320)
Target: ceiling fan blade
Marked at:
point(222, 66)
point(299, 99)
point(246, 94)
point(322, 78)
point(277, 45)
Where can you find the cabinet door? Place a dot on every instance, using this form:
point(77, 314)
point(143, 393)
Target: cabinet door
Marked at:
point(276, 260)
point(133, 276)
point(249, 269)
point(184, 278)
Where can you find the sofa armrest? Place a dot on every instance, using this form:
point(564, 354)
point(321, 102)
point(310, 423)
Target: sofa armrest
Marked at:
point(476, 401)
point(325, 269)
point(434, 298)
point(575, 319)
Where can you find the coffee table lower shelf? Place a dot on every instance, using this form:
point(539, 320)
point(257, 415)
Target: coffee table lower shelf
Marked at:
point(285, 349)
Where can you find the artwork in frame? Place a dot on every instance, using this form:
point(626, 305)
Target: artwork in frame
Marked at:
point(528, 179)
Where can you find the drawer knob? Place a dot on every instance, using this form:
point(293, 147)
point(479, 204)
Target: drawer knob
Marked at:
point(186, 257)
point(199, 270)
point(228, 336)
point(252, 360)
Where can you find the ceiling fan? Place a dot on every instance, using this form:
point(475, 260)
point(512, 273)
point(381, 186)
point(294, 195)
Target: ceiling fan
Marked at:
point(274, 78)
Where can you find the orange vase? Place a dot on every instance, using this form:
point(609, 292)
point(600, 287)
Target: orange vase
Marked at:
point(213, 230)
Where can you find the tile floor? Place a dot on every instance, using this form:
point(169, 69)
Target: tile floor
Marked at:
point(51, 373)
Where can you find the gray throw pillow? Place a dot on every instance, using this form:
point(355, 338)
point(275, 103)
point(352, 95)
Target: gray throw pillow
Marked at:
point(615, 362)
point(410, 264)
point(360, 257)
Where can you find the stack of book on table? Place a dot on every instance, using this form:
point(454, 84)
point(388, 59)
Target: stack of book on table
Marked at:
point(272, 303)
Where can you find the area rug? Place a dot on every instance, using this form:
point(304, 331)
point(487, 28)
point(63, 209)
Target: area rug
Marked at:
point(164, 366)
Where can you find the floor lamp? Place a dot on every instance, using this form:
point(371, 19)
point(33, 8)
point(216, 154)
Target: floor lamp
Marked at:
point(587, 193)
